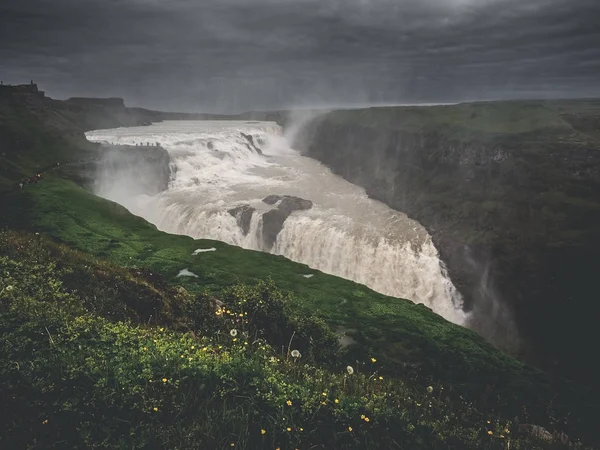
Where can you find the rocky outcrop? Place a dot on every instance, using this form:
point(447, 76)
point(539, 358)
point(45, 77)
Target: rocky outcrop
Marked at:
point(273, 220)
point(510, 194)
point(243, 216)
point(251, 145)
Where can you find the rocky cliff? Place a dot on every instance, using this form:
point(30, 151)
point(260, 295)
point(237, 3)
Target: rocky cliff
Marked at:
point(509, 191)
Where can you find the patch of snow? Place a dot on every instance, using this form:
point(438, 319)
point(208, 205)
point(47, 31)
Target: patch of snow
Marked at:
point(186, 273)
point(202, 250)
point(308, 276)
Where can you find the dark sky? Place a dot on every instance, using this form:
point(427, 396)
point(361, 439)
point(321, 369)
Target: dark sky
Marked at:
point(234, 55)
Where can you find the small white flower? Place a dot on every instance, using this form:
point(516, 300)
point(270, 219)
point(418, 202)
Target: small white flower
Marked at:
point(429, 389)
point(9, 288)
point(273, 359)
point(350, 370)
point(233, 332)
point(296, 354)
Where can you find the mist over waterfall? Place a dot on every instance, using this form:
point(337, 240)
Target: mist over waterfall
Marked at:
point(240, 183)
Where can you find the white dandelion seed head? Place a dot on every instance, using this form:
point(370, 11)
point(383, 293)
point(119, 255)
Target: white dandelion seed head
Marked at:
point(233, 332)
point(350, 370)
point(296, 354)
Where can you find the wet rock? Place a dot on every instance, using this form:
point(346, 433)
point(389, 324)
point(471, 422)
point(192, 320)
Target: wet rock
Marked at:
point(243, 217)
point(273, 220)
point(252, 145)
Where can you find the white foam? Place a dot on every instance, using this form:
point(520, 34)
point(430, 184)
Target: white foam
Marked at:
point(187, 273)
point(203, 250)
point(344, 234)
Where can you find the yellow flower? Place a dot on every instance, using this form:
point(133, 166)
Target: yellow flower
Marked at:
point(289, 403)
point(145, 348)
point(380, 377)
point(232, 444)
point(349, 428)
point(429, 389)
point(366, 419)
point(323, 403)
point(162, 329)
point(324, 394)
point(193, 347)
point(241, 315)
point(489, 421)
point(45, 422)
point(155, 409)
point(336, 400)
point(301, 429)
point(362, 416)
point(289, 429)
point(490, 432)
point(182, 356)
point(373, 360)
point(263, 431)
point(164, 380)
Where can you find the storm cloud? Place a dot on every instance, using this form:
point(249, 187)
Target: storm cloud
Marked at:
point(235, 55)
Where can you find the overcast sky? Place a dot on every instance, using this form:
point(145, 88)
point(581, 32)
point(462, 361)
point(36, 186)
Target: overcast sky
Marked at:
point(235, 55)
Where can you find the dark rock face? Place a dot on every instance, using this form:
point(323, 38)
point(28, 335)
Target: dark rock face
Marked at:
point(514, 215)
point(272, 221)
point(251, 145)
point(243, 217)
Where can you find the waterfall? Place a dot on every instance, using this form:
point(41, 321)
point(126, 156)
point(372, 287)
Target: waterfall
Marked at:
point(218, 166)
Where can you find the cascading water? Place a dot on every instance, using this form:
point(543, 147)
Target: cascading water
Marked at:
point(220, 166)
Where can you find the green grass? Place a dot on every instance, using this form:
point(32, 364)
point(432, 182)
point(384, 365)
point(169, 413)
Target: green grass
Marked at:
point(79, 376)
point(466, 120)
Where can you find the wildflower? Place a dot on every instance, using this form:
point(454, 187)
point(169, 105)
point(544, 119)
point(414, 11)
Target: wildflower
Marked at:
point(336, 400)
point(429, 389)
point(273, 359)
point(366, 419)
point(9, 288)
point(232, 444)
point(289, 429)
point(241, 315)
point(233, 332)
point(289, 403)
point(182, 356)
point(489, 421)
point(324, 394)
point(373, 360)
point(193, 347)
point(162, 329)
point(323, 403)
point(501, 436)
point(263, 431)
point(218, 312)
point(155, 409)
point(145, 348)
point(380, 377)
point(45, 422)
point(296, 354)
point(362, 416)
point(349, 428)
point(490, 432)
point(350, 370)
point(164, 380)
point(301, 429)
point(418, 404)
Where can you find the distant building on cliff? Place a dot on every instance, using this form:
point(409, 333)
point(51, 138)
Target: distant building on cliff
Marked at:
point(20, 89)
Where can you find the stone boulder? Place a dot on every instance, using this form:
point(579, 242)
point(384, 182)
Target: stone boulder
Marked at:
point(243, 217)
point(273, 220)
